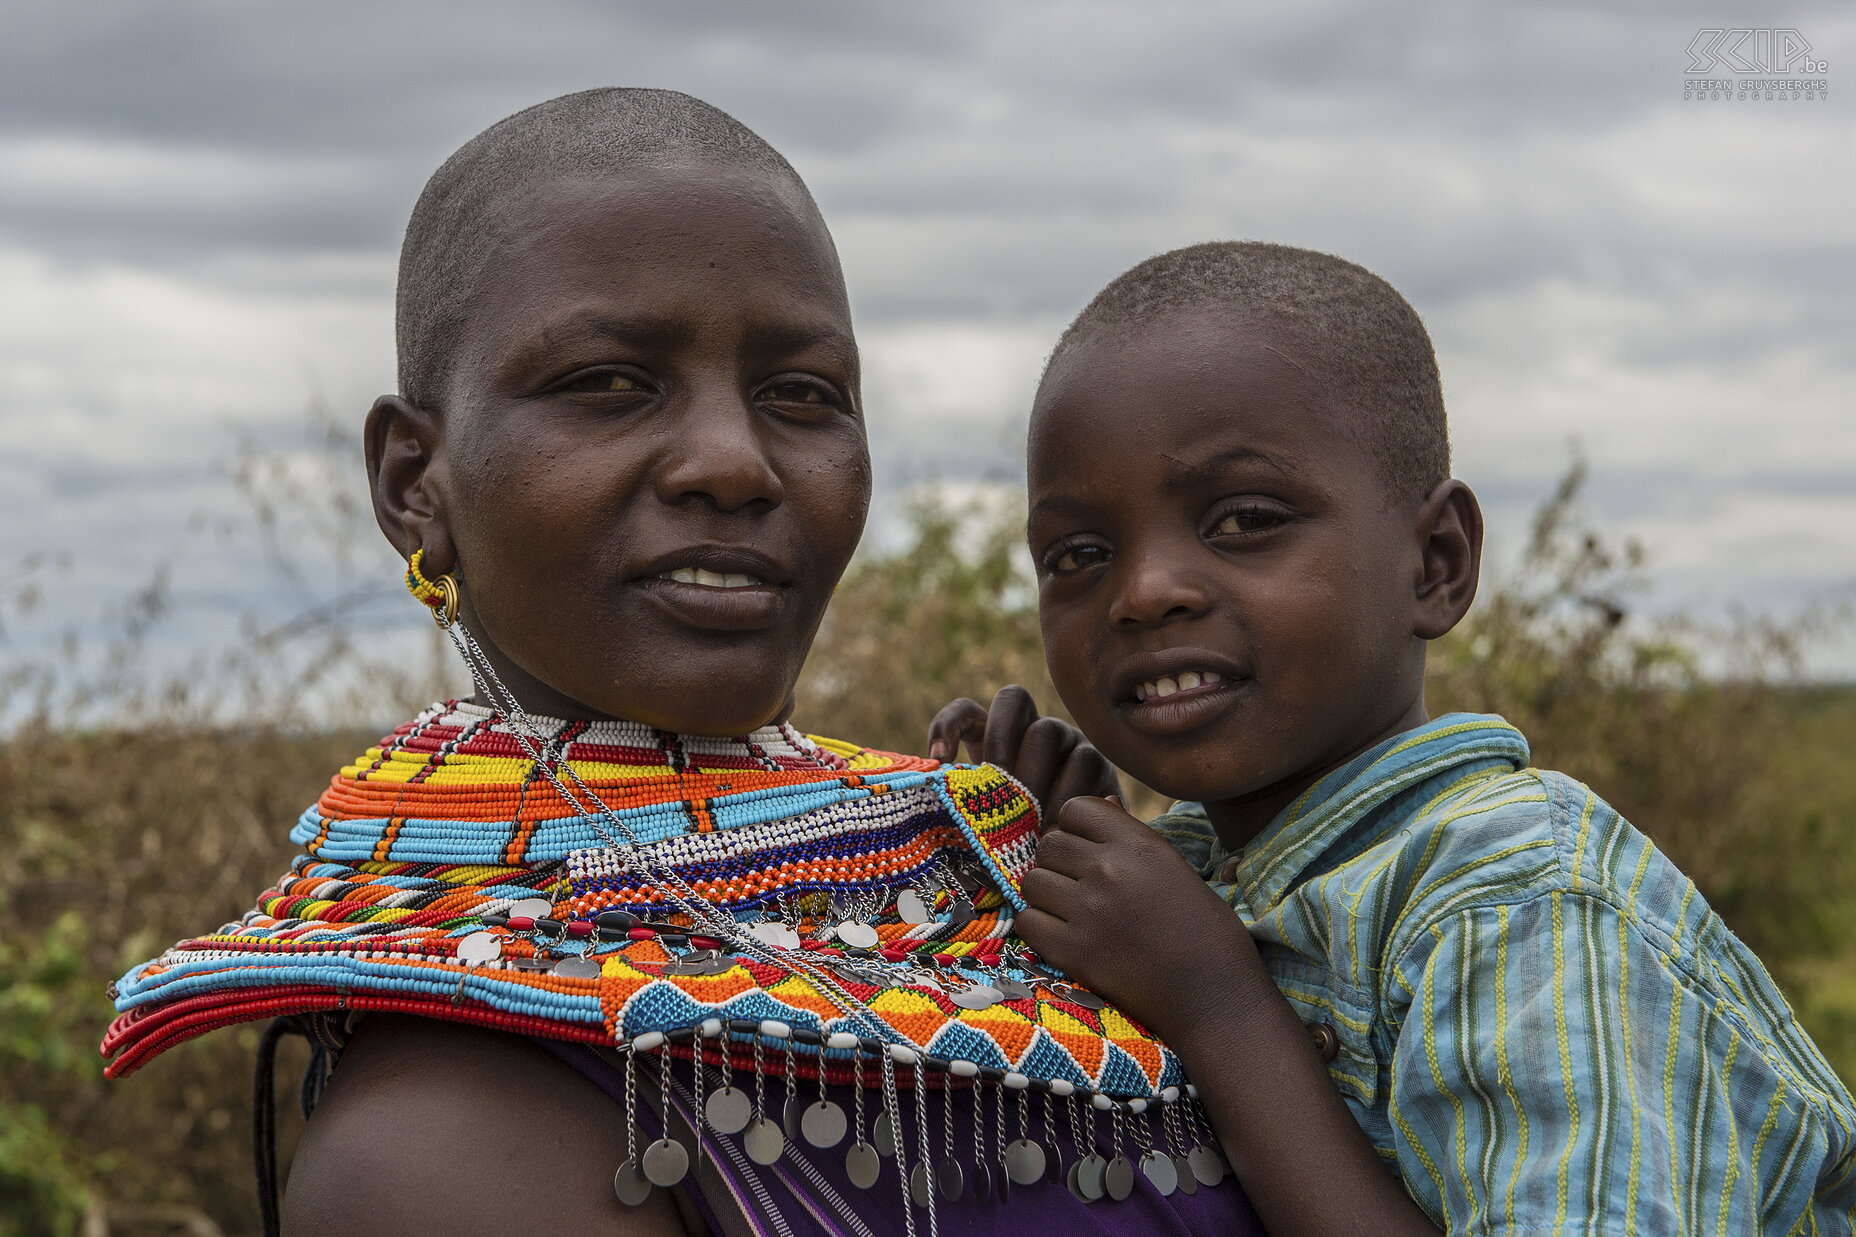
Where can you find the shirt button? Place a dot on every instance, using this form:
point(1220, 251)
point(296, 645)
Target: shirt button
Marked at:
point(1227, 871)
point(1326, 1042)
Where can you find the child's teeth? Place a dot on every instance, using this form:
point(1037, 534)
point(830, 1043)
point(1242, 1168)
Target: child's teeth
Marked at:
point(1212, 676)
point(1165, 687)
point(1188, 680)
point(1157, 689)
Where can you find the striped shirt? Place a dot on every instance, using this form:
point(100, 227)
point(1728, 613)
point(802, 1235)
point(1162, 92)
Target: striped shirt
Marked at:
point(1541, 1024)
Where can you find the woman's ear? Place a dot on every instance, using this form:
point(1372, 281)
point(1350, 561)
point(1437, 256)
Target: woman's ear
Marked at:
point(1450, 559)
point(402, 443)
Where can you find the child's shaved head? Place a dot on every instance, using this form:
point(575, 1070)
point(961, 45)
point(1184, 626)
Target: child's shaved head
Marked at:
point(462, 214)
point(1350, 330)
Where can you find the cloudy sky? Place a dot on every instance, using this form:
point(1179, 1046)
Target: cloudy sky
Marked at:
point(200, 203)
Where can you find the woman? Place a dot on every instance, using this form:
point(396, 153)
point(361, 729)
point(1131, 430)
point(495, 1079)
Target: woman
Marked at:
point(628, 465)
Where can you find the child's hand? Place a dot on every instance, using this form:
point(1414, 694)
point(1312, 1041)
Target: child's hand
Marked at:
point(1049, 756)
point(1115, 906)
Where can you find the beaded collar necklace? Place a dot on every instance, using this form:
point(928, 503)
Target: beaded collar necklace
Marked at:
point(790, 906)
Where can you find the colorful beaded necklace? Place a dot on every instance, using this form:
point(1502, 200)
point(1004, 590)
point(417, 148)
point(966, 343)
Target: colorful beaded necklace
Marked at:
point(782, 904)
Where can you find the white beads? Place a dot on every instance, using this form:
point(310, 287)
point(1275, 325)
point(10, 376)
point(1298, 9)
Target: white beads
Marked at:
point(1016, 1081)
point(966, 1069)
point(650, 1041)
point(1062, 1087)
point(774, 1029)
point(841, 1039)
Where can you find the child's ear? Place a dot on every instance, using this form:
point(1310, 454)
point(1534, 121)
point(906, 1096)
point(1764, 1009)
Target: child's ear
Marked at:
point(402, 445)
point(1449, 559)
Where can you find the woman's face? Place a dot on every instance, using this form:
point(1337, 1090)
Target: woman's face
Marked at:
point(650, 467)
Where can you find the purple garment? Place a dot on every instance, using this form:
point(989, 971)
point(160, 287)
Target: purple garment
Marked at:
point(806, 1193)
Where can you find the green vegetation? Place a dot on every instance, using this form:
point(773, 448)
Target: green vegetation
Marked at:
point(119, 842)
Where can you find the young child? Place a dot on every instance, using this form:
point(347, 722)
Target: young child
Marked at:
point(1245, 533)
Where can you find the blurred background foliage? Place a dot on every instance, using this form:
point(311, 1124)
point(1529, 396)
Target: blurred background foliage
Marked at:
point(122, 837)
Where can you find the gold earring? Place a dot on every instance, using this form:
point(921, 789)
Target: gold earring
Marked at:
point(440, 595)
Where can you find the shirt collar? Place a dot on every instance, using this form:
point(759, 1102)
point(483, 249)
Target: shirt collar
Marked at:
point(1344, 812)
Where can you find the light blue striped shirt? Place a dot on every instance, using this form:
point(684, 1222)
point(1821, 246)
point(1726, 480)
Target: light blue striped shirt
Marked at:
point(1540, 1022)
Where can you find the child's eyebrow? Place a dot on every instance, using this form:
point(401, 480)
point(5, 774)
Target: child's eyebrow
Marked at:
point(1232, 455)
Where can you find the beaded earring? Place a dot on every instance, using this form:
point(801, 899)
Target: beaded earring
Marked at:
point(440, 595)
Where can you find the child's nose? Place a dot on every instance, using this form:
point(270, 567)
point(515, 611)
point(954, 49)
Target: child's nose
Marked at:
point(718, 457)
point(1154, 591)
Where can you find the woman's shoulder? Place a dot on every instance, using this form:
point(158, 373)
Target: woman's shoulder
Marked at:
point(431, 1127)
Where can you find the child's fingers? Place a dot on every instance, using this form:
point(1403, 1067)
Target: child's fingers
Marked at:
point(962, 720)
point(1042, 931)
point(1011, 715)
point(1100, 821)
point(1046, 891)
point(1085, 772)
point(1069, 855)
point(1042, 756)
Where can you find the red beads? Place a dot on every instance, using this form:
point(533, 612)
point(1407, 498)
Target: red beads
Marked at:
point(521, 923)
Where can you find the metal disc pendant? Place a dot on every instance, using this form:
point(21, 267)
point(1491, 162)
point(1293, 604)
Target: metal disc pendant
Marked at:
point(977, 996)
point(577, 968)
point(1011, 989)
point(1024, 1161)
point(532, 908)
point(1206, 1165)
point(921, 1187)
point(1118, 1178)
point(777, 935)
point(982, 1181)
point(862, 1165)
point(952, 1181)
point(630, 1183)
point(823, 1124)
point(666, 1162)
point(764, 1141)
point(790, 1113)
point(479, 948)
point(534, 963)
point(728, 1110)
point(1077, 996)
point(1090, 1171)
point(1158, 1167)
point(883, 1135)
point(862, 935)
point(959, 914)
point(1073, 1182)
point(912, 908)
point(1188, 1184)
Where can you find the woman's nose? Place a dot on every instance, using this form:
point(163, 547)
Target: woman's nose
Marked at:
point(718, 457)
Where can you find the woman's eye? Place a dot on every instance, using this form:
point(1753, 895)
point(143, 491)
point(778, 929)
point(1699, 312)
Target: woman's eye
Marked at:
point(1249, 520)
point(1076, 558)
point(811, 394)
point(602, 382)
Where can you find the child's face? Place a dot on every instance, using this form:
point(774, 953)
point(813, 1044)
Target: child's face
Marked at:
point(1226, 582)
point(659, 379)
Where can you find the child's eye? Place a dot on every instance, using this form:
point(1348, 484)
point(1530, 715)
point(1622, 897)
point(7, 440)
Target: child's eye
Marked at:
point(1247, 520)
point(1065, 559)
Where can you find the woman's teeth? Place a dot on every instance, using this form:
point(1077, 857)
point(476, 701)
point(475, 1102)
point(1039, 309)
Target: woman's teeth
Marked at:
point(1160, 689)
point(696, 575)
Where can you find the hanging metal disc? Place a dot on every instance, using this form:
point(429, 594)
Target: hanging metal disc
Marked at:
point(1118, 1178)
point(666, 1162)
point(1011, 989)
point(1158, 1167)
point(790, 1113)
point(976, 996)
point(778, 935)
point(959, 914)
point(912, 908)
point(728, 1110)
point(861, 935)
point(1024, 1161)
point(823, 1124)
point(479, 948)
point(1188, 1184)
point(1073, 1181)
point(533, 908)
point(630, 1183)
point(952, 1181)
point(577, 968)
point(1206, 1164)
point(921, 1186)
point(1090, 1171)
point(862, 1165)
point(764, 1141)
point(982, 1181)
point(883, 1135)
